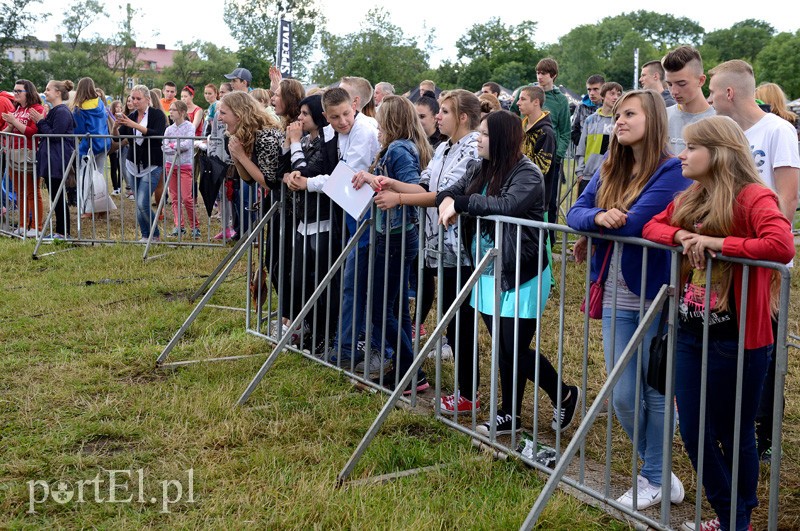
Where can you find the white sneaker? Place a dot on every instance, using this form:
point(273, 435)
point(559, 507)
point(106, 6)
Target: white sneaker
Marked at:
point(647, 495)
point(676, 492)
point(32, 233)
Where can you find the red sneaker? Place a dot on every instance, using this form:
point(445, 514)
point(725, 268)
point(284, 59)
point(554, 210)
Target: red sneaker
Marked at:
point(458, 403)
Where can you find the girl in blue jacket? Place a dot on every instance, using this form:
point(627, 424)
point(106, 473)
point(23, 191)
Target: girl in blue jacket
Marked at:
point(636, 181)
point(404, 152)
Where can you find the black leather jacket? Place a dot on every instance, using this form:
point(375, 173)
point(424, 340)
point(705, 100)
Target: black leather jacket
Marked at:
point(521, 196)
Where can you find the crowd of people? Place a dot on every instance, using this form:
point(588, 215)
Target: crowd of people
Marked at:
point(716, 174)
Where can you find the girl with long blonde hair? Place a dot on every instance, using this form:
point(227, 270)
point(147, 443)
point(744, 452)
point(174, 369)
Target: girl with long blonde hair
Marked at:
point(636, 181)
point(728, 209)
point(255, 138)
point(404, 152)
point(773, 95)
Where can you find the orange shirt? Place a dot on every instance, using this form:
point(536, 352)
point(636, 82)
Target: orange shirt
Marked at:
point(165, 103)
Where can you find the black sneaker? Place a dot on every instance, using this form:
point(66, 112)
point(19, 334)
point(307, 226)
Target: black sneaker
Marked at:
point(504, 422)
point(566, 413)
point(422, 383)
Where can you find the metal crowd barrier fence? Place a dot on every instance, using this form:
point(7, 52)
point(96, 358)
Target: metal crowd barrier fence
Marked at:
point(85, 209)
point(305, 297)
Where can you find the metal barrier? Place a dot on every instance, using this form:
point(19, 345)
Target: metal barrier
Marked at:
point(311, 300)
point(98, 215)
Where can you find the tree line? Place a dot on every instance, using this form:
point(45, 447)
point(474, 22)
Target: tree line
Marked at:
point(381, 51)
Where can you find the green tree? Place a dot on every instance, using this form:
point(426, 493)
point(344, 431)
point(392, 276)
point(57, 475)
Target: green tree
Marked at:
point(777, 62)
point(608, 47)
point(16, 17)
point(665, 31)
point(254, 24)
point(379, 51)
point(744, 40)
point(75, 56)
point(495, 51)
point(576, 56)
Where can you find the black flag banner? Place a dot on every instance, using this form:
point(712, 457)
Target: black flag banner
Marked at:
point(284, 54)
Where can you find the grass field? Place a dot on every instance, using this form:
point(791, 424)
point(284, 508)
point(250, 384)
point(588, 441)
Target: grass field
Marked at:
point(81, 404)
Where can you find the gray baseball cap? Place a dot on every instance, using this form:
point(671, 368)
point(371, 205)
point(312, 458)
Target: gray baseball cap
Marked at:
point(240, 73)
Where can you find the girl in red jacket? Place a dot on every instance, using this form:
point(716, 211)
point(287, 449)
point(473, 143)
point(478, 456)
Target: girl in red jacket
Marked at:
point(727, 210)
point(20, 152)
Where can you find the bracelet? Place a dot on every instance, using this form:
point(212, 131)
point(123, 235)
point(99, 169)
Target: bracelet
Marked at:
point(400, 197)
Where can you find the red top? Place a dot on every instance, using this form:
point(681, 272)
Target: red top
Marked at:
point(191, 115)
point(760, 232)
point(23, 115)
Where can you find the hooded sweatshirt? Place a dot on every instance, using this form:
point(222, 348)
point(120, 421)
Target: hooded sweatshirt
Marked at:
point(6, 105)
point(597, 130)
point(584, 110)
point(539, 143)
point(90, 118)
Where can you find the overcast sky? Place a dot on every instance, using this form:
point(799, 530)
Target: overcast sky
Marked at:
point(448, 19)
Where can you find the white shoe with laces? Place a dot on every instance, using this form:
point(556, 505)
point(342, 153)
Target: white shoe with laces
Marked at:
point(649, 494)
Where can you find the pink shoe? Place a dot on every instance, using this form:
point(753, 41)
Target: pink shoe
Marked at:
point(229, 234)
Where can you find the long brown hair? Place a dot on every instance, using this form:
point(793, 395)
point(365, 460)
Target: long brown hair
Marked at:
point(710, 210)
point(398, 120)
point(619, 186)
point(85, 90)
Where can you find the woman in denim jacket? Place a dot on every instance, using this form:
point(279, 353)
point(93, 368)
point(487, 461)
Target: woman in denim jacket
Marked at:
point(404, 152)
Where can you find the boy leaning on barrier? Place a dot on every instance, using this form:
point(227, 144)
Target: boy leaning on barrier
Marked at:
point(357, 143)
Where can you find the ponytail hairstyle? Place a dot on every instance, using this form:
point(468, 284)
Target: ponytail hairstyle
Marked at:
point(63, 88)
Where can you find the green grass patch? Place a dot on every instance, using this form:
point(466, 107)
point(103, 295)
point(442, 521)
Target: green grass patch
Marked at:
point(80, 397)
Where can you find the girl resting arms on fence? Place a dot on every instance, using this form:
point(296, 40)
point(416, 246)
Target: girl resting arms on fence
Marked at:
point(404, 152)
point(458, 118)
point(505, 182)
point(727, 210)
point(635, 182)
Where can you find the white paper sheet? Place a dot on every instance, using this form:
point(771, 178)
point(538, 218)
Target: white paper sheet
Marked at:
point(339, 187)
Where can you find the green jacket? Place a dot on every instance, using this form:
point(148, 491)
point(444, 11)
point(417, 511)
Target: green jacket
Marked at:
point(557, 104)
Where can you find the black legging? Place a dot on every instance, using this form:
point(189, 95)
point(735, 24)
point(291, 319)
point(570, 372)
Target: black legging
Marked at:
point(59, 208)
point(463, 342)
point(526, 368)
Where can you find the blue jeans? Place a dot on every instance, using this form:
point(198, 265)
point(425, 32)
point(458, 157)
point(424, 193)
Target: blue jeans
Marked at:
point(144, 187)
point(395, 281)
point(651, 406)
point(243, 215)
point(719, 421)
point(354, 300)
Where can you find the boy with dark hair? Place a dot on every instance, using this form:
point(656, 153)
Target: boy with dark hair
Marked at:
point(490, 87)
point(170, 90)
point(685, 78)
point(357, 145)
point(652, 78)
point(539, 143)
point(241, 79)
point(589, 104)
point(556, 103)
point(597, 130)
